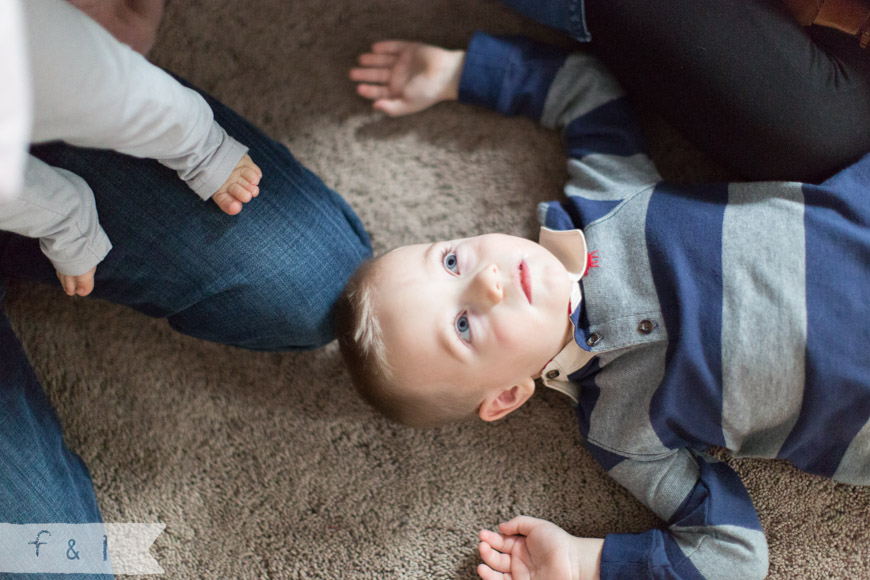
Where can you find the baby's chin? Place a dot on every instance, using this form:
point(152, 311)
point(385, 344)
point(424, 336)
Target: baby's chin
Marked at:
point(558, 281)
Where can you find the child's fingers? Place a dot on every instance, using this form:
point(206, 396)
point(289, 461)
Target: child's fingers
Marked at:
point(519, 526)
point(500, 542)
point(487, 573)
point(394, 107)
point(494, 559)
point(370, 75)
point(377, 60)
point(389, 46)
point(373, 92)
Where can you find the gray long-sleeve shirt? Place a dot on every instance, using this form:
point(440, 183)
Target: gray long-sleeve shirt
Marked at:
point(729, 314)
point(90, 90)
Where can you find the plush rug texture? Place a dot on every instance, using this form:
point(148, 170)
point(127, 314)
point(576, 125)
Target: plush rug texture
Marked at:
point(266, 465)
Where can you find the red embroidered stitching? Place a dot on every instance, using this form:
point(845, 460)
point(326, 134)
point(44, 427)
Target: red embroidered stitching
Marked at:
point(591, 261)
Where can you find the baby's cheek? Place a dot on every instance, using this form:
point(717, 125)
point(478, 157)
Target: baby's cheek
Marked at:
point(517, 335)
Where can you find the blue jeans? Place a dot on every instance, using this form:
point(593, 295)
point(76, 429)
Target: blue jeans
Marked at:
point(265, 279)
point(567, 16)
point(41, 480)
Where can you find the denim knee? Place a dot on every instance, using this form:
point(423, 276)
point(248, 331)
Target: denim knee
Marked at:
point(265, 279)
point(279, 293)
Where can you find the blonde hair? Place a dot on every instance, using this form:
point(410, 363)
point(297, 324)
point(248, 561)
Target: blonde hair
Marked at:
point(362, 345)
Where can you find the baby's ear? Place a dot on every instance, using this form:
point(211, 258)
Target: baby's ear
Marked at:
point(499, 403)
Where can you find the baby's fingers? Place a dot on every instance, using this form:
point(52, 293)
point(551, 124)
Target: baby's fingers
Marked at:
point(494, 559)
point(373, 92)
point(520, 525)
point(390, 46)
point(377, 60)
point(500, 542)
point(487, 573)
point(371, 75)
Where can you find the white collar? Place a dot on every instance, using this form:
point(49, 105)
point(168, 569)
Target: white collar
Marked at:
point(569, 246)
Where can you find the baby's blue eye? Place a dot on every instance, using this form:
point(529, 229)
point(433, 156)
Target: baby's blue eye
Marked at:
point(451, 263)
point(463, 328)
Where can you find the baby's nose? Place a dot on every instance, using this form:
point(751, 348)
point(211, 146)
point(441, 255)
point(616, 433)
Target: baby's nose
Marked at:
point(487, 289)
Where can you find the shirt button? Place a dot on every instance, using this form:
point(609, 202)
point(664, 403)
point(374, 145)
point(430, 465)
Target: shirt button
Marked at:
point(553, 374)
point(593, 339)
point(645, 327)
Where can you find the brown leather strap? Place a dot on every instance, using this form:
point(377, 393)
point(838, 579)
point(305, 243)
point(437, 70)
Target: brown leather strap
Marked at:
point(850, 16)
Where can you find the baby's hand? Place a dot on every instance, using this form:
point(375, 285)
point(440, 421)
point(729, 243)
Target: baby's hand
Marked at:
point(406, 77)
point(529, 548)
point(240, 187)
point(78, 285)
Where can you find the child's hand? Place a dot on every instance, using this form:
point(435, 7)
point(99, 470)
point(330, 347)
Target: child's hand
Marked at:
point(240, 187)
point(529, 548)
point(406, 77)
point(78, 285)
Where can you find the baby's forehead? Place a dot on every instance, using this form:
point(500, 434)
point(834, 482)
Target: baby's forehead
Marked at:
point(407, 304)
point(399, 261)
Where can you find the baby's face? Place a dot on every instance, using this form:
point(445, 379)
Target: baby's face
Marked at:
point(475, 313)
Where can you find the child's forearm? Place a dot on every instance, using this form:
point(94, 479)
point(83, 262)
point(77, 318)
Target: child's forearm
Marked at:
point(511, 75)
point(586, 555)
point(711, 522)
point(58, 208)
point(571, 92)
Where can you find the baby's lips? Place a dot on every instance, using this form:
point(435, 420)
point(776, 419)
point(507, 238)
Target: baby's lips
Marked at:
point(525, 280)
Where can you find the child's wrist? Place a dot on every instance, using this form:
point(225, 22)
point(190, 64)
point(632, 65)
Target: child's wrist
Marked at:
point(586, 555)
point(454, 63)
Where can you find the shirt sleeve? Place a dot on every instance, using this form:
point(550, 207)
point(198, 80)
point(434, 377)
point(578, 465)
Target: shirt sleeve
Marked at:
point(57, 207)
point(712, 530)
point(570, 92)
point(92, 91)
point(15, 115)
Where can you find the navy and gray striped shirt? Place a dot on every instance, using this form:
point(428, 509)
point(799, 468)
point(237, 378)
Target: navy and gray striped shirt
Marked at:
point(727, 315)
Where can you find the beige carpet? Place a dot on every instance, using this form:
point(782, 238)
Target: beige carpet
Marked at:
point(266, 465)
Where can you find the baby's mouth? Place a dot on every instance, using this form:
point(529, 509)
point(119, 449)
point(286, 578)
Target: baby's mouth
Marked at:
point(526, 280)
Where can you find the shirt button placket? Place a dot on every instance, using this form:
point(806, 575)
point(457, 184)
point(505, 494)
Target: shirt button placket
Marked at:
point(645, 327)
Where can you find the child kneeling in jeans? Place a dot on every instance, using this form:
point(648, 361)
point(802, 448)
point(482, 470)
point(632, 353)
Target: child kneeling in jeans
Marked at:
point(676, 318)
